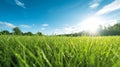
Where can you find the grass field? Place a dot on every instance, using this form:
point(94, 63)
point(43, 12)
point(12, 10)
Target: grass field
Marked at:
point(41, 51)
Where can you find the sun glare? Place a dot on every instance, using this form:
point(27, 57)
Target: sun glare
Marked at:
point(91, 24)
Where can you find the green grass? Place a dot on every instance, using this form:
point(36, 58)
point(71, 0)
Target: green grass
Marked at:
point(41, 51)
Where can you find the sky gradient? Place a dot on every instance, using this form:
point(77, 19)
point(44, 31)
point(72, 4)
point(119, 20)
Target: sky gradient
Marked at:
point(57, 16)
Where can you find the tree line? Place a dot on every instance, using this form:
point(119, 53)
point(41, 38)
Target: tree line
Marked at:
point(101, 31)
point(110, 30)
point(17, 31)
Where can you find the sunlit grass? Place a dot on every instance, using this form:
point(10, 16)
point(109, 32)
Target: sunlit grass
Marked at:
point(42, 51)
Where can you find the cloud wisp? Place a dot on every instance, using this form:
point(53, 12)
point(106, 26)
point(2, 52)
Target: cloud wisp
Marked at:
point(43, 29)
point(115, 5)
point(94, 4)
point(68, 29)
point(25, 26)
point(45, 25)
point(7, 24)
point(20, 4)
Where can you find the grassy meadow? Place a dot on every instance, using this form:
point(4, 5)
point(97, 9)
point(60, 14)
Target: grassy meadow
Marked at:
point(59, 51)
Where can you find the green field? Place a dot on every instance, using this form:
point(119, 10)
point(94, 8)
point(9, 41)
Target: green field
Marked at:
point(46, 51)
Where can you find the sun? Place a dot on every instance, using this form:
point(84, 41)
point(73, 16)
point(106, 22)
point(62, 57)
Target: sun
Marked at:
point(91, 24)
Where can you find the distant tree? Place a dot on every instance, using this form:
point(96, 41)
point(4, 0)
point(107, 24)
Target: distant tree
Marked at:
point(28, 33)
point(0, 33)
point(5, 32)
point(17, 31)
point(111, 30)
point(39, 33)
point(100, 30)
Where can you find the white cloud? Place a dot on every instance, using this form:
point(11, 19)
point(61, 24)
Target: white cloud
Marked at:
point(68, 29)
point(20, 3)
point(94, 5)
point(110, 22)
point(115, 5)
point(43, 28)
point(7, 24)
point(25, 26)
point(33, 24)
point(45, 25)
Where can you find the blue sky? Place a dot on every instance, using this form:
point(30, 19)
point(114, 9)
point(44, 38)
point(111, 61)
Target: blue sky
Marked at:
point(57, 16)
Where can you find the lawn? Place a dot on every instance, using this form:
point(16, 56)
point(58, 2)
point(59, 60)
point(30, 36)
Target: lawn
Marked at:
point(59, 51)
